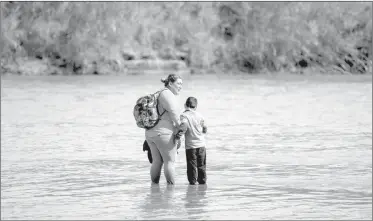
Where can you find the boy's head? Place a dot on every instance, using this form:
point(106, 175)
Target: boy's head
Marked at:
point(191, 102)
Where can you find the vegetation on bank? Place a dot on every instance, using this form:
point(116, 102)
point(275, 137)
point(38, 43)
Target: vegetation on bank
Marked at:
point(125, 37)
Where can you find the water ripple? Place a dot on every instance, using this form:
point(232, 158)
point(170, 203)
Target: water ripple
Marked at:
point(276, 149)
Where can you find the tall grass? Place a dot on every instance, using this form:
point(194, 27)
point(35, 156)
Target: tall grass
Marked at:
point(106, 37)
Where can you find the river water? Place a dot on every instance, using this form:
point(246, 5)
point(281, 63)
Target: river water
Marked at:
point(278, 147)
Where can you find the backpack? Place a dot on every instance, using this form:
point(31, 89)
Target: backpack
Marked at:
point(146, 111)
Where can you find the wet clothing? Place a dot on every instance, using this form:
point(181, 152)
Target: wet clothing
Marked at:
point(161, 138)
point(196, 165)
point(163, 151)
point(193, 127)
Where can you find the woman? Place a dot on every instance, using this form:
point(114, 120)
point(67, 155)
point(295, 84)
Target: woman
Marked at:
point(161, 137)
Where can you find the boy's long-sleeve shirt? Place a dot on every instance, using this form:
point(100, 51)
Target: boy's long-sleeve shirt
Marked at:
point(193, 127)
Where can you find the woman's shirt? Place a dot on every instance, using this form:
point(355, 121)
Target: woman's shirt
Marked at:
point(170, 119)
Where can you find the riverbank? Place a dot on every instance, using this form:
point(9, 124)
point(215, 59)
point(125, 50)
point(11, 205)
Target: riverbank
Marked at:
point(103, 38)
point(33, 67)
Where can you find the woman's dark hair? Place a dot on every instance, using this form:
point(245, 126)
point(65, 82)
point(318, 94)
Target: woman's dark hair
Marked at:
point(191, 102)
point(171, 78)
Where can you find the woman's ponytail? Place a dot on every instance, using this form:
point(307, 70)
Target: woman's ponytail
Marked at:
point(171, 78)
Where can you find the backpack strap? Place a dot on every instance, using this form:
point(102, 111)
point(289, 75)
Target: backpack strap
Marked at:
point(159, 94)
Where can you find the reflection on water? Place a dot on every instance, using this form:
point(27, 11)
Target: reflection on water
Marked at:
point(171, 201)
point(277, 148)
point(158, 200)
point(196, 201)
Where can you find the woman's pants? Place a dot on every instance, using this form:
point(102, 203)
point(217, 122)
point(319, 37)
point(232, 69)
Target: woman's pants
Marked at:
point(163, 150)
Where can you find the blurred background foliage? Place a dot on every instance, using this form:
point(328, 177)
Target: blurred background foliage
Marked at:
point(250, 37)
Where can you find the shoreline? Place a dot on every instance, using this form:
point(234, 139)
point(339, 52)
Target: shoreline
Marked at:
point(32, 67)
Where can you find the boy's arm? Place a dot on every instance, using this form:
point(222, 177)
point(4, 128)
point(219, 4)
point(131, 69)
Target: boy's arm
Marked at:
point(183, 127)
point(204, 127)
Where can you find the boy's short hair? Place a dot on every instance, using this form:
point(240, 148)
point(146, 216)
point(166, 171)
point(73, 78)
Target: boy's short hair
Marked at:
point(191, 102)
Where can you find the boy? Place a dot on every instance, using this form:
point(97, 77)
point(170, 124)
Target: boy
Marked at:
point(194, 128)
